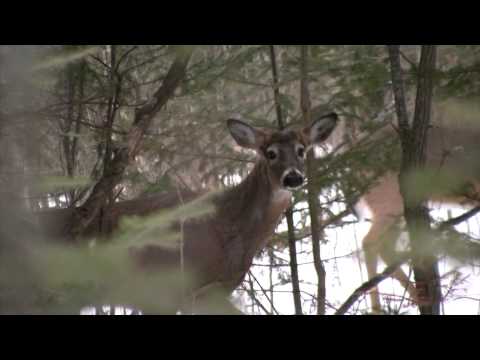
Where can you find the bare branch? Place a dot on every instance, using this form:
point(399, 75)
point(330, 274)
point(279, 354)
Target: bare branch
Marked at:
point(370, 284)
point(124, 56)
point(85, 214)
point(264, 293)
point(399, 90)
point(459, 219)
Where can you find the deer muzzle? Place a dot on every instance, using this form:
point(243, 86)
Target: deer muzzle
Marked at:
point(292, 179)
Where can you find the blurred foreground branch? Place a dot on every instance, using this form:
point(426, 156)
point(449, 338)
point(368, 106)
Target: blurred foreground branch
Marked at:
point(84, 215)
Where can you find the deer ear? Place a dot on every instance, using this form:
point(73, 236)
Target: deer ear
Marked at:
point(245, 135)
point(320, 129)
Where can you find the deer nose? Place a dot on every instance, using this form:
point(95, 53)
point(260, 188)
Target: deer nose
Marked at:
point(293, 179)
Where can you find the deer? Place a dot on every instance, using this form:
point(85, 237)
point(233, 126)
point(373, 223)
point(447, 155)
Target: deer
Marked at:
point(453, 147)
point(217, 249)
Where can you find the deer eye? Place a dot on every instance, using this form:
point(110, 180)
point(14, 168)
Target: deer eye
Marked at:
point(271, 155)
point(301, 152)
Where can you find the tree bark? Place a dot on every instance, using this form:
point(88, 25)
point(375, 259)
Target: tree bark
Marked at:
point(312, 191)
point(71, 125)
point(413, 140)
point(113, 173)
point(297, 300)
point(292, 251)
point(113, 104)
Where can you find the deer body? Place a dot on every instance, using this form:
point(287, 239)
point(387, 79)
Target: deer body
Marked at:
point(218, 248)
point(452, 153)
point(222, 251)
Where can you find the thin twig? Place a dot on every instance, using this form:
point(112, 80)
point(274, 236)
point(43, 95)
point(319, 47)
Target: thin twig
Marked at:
point(459, 219)
point(264, 293)
point(364, 288)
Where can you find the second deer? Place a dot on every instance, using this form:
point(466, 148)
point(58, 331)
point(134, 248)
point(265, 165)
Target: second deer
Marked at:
point(452, 153)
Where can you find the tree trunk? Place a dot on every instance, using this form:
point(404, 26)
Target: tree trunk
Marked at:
point(113, 173)
point(413, 140)
point(312, 191)
point(297, 300)
point(70, 126)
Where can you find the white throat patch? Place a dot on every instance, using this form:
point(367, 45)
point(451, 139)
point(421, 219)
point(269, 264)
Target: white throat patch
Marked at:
point(281, 195)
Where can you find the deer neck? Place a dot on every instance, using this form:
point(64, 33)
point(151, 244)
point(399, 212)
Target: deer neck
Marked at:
point(251, 211)
point(256, 196)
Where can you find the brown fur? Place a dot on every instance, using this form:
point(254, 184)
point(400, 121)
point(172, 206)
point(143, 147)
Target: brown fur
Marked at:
point(453, 148)
point(219, 248)
point(222, 252)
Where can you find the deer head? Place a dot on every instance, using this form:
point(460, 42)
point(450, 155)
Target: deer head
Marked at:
point(284, 151)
